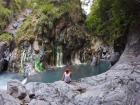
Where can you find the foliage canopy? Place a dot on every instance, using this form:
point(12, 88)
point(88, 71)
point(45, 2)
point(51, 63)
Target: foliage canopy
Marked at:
point(110, 19)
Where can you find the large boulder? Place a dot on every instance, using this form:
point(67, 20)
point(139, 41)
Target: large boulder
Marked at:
point(16, 89)
point(6, 99)
point(38, 102)
point(57, 93)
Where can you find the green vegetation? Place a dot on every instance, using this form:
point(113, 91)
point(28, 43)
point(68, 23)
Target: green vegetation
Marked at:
point(46, 14)
point(4, 17)
point(7, 9)
point(18, 5)
point(26, 32)
point(6, 37)
point(110, 19)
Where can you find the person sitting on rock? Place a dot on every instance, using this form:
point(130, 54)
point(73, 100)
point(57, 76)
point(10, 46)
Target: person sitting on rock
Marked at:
point(67, 76)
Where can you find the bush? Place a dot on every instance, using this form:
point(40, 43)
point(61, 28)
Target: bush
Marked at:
point(109, 19)
point(6, 37)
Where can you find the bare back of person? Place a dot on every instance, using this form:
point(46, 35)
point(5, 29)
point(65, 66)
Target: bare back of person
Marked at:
point(67, 76)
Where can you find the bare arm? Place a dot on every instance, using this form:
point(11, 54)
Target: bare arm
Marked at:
point(70, 74)
point(63, 77)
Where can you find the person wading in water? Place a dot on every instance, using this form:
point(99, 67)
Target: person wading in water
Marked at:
point(67, 76)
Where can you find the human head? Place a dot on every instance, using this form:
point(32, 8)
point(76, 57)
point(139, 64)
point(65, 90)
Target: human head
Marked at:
point(36, 51)
point(67, 70)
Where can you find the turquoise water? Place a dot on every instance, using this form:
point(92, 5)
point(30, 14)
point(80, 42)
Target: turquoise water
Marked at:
point(5, 77)
point(52, 75)
point(78, 71)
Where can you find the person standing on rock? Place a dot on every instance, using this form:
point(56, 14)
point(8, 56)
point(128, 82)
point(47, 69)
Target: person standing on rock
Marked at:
point(67, 76)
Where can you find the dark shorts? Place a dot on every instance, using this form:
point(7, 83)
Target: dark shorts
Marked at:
point(68, 82)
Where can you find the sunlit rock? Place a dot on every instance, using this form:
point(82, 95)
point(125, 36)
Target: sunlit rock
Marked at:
point(86, 6)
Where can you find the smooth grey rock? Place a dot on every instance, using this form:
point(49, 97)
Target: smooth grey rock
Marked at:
point(56, 93)
point(114, 57)
point(26, 99)
point(16, 89)
point(6, 99)
point(38, 102)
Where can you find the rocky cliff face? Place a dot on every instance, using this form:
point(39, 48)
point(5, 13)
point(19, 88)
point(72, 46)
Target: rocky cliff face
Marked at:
point(6, 49)
point(59, 33)
point(3, 48)
point(118, 86)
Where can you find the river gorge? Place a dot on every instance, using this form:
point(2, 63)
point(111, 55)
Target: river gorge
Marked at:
point(99, 40)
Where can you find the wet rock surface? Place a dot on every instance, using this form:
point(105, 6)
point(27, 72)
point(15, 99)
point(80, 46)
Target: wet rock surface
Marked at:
point(4, 56)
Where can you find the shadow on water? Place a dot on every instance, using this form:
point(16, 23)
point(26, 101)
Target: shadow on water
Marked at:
point(78, 71)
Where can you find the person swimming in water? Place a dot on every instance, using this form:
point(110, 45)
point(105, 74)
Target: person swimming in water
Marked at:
point(67, 76)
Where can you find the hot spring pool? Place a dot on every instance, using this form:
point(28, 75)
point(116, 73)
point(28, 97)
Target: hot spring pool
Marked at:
point(52, 75)
point(78, 71)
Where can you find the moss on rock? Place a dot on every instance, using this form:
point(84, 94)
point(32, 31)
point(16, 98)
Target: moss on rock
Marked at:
point(6, 37)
